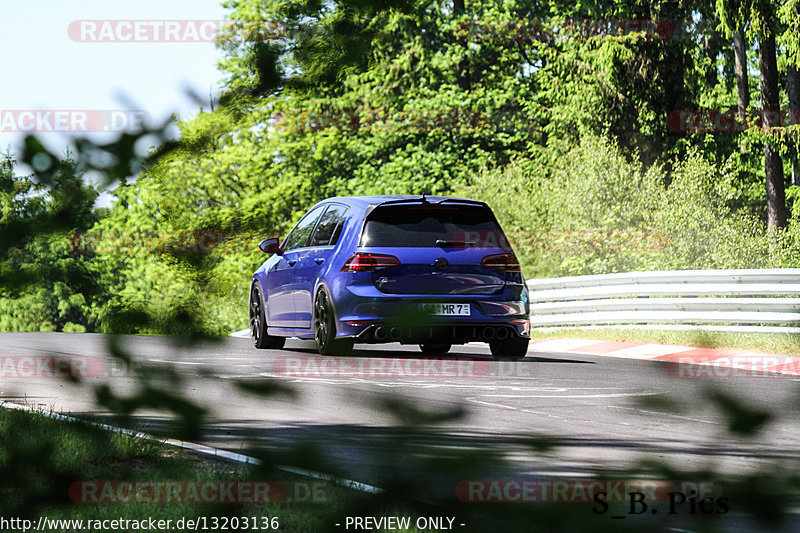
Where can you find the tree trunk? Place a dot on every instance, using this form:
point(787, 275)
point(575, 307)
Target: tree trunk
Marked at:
point(674, 63)
point(462, 69)
point(711, 48)
point(773, 165)
point(742, 83)
point(793, 90)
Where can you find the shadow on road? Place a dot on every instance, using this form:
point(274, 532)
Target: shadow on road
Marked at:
point(391, 352)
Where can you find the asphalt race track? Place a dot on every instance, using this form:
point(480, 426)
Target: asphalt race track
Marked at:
point(604, 413)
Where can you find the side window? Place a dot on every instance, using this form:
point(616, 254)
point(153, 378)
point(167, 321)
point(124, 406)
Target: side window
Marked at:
point(330, 226)
point(299, 235)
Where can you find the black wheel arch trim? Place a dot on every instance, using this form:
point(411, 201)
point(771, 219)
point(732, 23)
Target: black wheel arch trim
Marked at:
point(322, 285)
point(256, 284)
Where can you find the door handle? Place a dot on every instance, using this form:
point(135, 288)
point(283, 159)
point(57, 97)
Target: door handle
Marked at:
point(319, 260)
point(291, 263)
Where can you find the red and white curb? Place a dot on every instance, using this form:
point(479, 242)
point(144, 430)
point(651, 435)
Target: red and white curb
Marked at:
point(690, 362)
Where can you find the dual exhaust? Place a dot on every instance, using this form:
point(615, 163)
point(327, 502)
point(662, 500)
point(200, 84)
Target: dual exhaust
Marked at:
point(460, 333)
point(382, 333)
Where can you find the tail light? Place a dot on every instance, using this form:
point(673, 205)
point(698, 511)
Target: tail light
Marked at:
point(507, 262)
point(362, 262)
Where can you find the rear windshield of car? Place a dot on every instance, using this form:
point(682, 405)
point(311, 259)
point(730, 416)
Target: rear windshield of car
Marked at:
point(432, 226)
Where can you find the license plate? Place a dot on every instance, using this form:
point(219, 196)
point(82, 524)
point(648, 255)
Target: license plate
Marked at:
point(447, 309)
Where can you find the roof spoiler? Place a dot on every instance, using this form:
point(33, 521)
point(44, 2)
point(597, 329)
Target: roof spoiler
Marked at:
point(423, 200)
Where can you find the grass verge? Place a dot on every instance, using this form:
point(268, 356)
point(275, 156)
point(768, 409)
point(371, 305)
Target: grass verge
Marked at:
point(770, 343)
point(75, 471)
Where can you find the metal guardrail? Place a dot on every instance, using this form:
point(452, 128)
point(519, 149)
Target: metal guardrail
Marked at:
point(763, 297)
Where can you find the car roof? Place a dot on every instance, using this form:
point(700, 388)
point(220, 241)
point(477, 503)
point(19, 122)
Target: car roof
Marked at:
point(367, 201)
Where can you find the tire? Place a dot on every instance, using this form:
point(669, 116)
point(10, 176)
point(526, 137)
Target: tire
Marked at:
point(512, 349)
point(325, 328)
point(258, 325)
point(435, 349)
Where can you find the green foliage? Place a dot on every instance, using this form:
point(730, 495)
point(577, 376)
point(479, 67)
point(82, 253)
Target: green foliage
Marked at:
point(564, 134)
point(47, 285)
point(789, 15)
point(597, 212)
point(558, 126)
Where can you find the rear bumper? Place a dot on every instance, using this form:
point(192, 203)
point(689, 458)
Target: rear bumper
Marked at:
point(360, 302)
point(366, 315)
point(443, 333)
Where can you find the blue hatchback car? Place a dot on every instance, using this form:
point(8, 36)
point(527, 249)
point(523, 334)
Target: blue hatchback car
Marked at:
point(431, 271)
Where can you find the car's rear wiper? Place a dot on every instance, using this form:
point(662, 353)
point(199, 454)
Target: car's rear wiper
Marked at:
point(454, 244)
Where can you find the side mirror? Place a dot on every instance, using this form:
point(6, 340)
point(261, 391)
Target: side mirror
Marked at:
point(270, 246)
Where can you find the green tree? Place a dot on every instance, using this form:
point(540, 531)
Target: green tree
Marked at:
point(46, 284)
point(762, 18)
